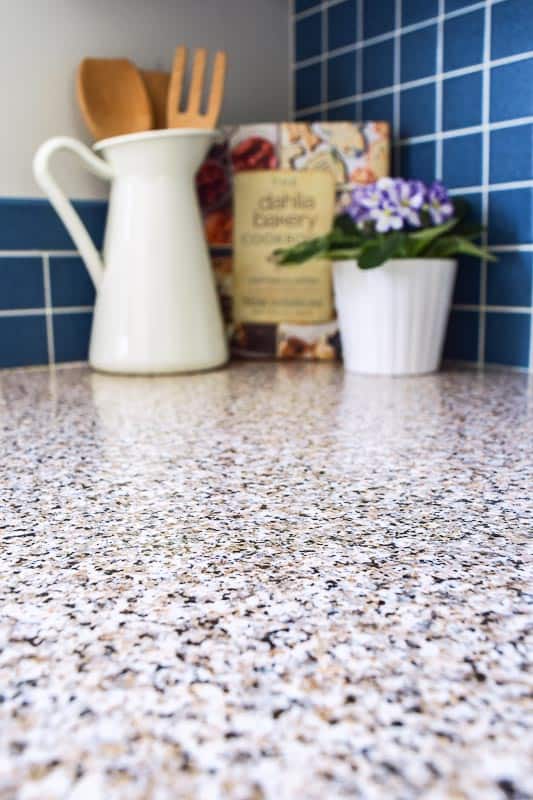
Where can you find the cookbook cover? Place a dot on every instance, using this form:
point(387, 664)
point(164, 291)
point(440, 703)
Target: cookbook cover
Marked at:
point(273, 209)
point(352, 153)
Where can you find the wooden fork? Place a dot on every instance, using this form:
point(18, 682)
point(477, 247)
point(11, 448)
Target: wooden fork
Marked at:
point(192, 117)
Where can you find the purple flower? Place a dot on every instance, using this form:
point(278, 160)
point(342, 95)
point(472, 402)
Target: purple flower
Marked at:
point(396, 204)
point(357, 211)
point(439, 205)
point(411, 198)
point(387, 217)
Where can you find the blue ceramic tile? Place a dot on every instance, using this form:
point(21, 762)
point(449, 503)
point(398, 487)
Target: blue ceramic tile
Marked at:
point(378, 108)
point(308, 37)
point(313, 116)
point(23, 341)
point(417, 111)
point(511, 216)
point(512, 28)
point(71, 285)
point(511, 154)
point(341, 76)
point(30, 224)
point(304, 5)
point(474, 201)
point(461, 101)
point(511, 90)
point(346, 112)
point(378, 66)
point(308, 85)
point(507, 339)
point(468, 281)
point(378, 17)
point(509, 280)
point(418, 10)
point(455, 5)
point(463, 40)
point(21, 283)
point(461, 156)
point(462, 336)
point(419, 54)
point(342, 24)
point(418, 161)
point(71, 336)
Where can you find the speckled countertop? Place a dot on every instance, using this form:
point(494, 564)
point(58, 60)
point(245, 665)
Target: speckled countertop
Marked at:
point(274, 581)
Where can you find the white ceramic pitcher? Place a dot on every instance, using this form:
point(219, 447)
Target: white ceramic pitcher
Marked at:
point(156, 308)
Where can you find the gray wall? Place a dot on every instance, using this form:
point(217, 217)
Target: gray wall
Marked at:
point(44, 40)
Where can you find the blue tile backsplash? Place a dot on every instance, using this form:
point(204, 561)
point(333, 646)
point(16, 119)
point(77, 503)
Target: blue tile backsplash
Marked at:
point(463, 40)
point(462, 101)
point(46, 296)
point(71, 336)
point(454, 78)
point(21, 283)
point(414, 11)
point(379, 17)
point(418, 54)
point(23, 340)
point(342, 24)
point(309, 37)
point(70, 282)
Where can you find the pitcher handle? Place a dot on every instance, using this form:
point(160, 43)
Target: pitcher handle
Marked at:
point(62, 204)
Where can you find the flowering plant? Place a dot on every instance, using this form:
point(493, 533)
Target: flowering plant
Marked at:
point(393, 218)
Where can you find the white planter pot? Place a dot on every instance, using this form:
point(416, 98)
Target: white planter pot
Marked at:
point(393, 318)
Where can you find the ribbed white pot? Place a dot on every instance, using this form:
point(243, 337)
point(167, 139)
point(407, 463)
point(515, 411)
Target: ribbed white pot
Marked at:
point(393, 318)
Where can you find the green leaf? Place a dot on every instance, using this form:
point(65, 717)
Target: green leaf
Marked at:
point(420, 240)
point(344, 224)
point(301, 252)
point(349, 254)
point(456, 245)
point(375, 252)
point(338, 239)
point(468, 231)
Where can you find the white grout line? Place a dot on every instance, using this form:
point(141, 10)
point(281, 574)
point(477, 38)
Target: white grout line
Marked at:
point(408, 28)
point(456, 73)
point(50, 345)
point(22, 312)
point(296, 15)
point(493, 187)
point(438, 91)
point(37, 253)
point(397, 69)
point(511, 248)
point(399, 31)
point(72, 309)
point(483, 308)
point(492, 126)
point(46, 311)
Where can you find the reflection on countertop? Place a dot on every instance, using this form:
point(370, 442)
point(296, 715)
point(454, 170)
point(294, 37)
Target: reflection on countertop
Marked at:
point(275, 581)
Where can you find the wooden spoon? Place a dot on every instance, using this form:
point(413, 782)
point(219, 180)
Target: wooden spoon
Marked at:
point(192, 116)
point(112, 97)
point(156, 83)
